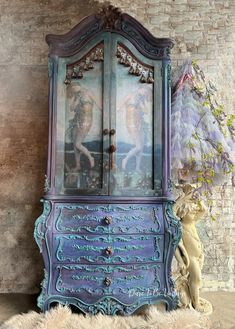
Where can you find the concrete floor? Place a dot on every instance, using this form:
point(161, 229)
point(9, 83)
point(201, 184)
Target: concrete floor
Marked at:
point(223, 303)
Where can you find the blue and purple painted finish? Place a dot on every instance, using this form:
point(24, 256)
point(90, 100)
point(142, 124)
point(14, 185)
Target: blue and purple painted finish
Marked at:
point(107, 232)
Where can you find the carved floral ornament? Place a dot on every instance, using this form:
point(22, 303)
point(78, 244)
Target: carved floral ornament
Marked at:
point(109, 16)
point(87, 63)
point(76, 71)
point(136, 68)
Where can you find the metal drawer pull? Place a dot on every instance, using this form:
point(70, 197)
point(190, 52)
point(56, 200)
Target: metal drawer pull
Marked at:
point(109, 251)
point(108, 220)
point(107, 281)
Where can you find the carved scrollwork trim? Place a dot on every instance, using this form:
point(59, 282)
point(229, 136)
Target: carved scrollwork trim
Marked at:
point(42, 297)
point(157, 51)
point(109, 208)
point(112, 306)
point(174, 225)
point(110, 19)
point(110, 268)
point(40, 224)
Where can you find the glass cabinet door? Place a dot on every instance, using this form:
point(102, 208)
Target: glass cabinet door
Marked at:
point(81, 115)
point(136, 135)
point(108, 121)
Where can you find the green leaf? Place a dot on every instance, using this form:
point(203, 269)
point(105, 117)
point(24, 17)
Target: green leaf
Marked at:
point(191, 145)
point(194, 135)
point(206, 103)
point(231, 120)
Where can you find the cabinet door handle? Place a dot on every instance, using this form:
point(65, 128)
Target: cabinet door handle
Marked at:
point(113, 148)
point(105, 131)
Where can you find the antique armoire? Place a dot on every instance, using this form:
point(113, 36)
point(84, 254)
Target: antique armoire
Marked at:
point(107, 232)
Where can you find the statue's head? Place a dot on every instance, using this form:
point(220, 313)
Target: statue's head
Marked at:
point(189, 207)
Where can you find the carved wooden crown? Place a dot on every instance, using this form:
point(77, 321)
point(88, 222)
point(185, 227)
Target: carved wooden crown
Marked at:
point(110, 18)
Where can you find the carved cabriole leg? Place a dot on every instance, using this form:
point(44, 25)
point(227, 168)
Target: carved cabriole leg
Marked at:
point(46, 306)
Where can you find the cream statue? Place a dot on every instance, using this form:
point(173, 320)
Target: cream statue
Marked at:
point(189, 253)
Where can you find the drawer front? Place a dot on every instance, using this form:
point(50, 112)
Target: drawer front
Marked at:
point(126, 283)
point(107, 249)
point(109, 218)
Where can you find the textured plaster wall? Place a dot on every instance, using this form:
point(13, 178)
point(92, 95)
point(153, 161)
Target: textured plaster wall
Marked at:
point(202, 29)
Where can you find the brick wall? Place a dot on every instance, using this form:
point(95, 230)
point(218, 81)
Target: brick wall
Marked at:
point(202, 29)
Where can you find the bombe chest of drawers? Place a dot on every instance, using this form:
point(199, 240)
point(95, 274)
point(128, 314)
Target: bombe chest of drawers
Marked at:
point(107, 232)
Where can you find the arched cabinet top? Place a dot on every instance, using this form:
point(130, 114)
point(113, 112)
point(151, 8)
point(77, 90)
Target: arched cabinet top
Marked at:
point(110, 19)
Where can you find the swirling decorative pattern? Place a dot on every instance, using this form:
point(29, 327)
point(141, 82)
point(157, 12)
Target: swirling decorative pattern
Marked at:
point(92, 248)
point(100, 279)
point(174, 225)
point(163, 52)
point(90, 218)
point(109, 268)
point(42, 297)
point(62, 286)
point(65, 250)
point(109, 208)
point(40, 224)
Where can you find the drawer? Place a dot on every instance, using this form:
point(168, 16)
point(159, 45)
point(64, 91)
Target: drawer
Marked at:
point(109, 218)
point(126, 283)
point(107, 249)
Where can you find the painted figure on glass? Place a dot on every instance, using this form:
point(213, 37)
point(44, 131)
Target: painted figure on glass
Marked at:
point(81, 102)
point(136, 111)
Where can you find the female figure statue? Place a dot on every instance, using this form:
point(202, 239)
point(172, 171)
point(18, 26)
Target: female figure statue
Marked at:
point(189, 253)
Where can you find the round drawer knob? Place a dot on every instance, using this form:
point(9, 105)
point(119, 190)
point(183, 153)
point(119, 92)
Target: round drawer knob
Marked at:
point(107, 281)
point(109, 251)
point(112, 132)
point(108, 220)
point(105, 131)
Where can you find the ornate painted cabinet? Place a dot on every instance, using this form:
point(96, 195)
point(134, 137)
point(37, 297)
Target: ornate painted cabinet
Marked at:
point(107, 232)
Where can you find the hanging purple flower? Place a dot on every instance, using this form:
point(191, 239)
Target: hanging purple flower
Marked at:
point(202, 134)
